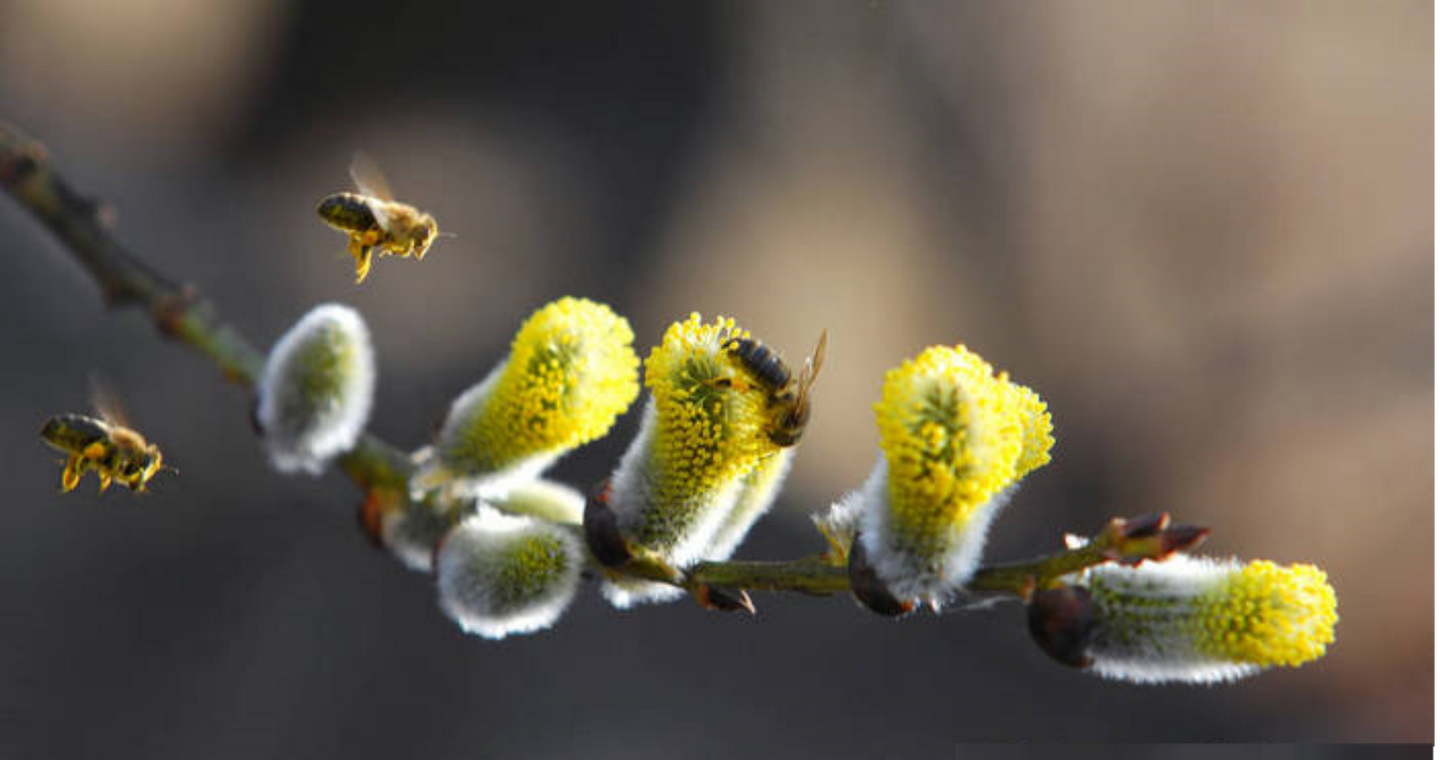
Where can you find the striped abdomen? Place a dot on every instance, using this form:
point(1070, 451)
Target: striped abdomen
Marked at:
point(347, 211)
point(765, 364)
point(74, 432)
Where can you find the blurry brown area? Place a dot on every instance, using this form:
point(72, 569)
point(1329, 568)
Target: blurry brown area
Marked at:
point(1201, 230)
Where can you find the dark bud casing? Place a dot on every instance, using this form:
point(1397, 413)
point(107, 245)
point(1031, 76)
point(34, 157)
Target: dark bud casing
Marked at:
point(602, 534)
point(869, 589)
point(1062, 622)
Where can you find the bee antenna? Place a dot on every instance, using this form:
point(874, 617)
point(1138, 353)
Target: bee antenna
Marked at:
point(446, 235)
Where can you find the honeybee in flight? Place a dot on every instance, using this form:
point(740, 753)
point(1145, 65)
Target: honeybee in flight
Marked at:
point(788, 404)
point(375, 221)
point(105, 444)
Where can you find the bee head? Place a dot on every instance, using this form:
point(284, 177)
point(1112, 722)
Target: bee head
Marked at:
point(139, 472)
point(791, 424)
point(424, 234)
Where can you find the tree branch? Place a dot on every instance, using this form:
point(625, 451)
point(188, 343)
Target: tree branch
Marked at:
point(177, 312)
point(379, 468)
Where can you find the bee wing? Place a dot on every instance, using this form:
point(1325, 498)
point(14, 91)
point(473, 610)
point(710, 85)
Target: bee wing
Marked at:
point(814, 362)
point(107, 402)
point(368, 177)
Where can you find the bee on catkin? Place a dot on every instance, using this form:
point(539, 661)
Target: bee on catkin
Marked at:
point(712, 451)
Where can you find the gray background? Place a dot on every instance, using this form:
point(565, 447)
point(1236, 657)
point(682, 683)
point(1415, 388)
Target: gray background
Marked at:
point(1201, 230)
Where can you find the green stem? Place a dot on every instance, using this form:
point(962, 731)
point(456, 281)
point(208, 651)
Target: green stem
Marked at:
point(812, 575)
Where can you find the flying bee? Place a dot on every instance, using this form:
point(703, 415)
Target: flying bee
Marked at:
point(105, 444)
point(375, 221)
point(788, 402)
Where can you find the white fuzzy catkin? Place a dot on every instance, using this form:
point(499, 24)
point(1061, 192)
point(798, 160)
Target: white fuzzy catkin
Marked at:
point(502, 574)
point(907, 575)
point(757, 495)
point(316, 389)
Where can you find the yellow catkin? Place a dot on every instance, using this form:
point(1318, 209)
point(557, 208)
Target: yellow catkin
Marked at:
point(571, 372)
point(1266, 614)
point(710, 428)
point(953, 435)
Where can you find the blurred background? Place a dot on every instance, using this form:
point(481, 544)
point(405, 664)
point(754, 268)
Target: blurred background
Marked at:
point(1202, 231)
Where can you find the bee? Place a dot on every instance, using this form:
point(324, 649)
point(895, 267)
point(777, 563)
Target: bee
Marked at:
point(375, 221)
point(788, 402)
point(105, 444)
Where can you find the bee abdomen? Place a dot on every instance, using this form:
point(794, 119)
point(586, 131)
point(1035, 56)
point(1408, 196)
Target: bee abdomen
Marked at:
point(347, 211)
point(765, 364)
point(73, 432)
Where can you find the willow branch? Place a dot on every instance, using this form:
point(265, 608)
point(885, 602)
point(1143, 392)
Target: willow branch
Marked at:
point(177, 311)
point(382, 470)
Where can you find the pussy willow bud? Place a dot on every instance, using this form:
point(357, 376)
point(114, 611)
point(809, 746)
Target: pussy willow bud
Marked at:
point(954, 440)
point(411, 534)
point(316, 389)
point(1193, 620)
point(501, 574)
point(683, 491)
point(571, 371)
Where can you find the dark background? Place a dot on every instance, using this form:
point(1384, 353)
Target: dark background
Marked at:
point(1201, 230)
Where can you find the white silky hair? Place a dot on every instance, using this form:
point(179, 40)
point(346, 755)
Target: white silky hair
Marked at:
point(1159, 658)
point(298, 435)
point(930, 580)
point(470, 571)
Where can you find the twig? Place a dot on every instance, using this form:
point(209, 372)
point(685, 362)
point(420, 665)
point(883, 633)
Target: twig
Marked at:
point(379, 468)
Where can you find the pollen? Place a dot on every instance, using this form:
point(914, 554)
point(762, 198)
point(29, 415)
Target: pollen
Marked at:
point(954, 436)
point(1265, 614)
point(710, 425)
point(571, 371)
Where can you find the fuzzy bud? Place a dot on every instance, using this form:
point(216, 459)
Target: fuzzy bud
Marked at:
point(571, 371)
point(954, 439)
point(316, 389)
point(501, 574)
point(411, 534)
point(1196, 620)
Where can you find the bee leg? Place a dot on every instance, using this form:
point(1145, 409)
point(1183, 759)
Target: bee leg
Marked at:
point(362, 265)
point(104, 481)
point(95, 451)
point(70, 476)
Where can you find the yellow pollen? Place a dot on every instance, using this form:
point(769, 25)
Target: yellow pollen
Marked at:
point(571, 372)
point(954, 435)
point(1265, 614)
